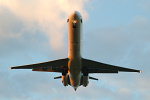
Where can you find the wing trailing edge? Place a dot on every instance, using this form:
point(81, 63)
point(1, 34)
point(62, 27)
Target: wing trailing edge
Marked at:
point(98, 67)
point(50, 66)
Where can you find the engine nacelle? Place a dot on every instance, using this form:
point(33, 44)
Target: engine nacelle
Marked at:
point(65, 79)
point(85, 80)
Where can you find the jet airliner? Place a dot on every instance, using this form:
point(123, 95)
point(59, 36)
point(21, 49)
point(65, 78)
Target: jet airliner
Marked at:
point(75, 70)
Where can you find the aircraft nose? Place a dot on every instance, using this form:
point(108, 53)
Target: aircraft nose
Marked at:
point(77, 14)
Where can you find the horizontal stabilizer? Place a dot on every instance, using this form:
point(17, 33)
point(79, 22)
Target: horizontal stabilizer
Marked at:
point(57, 77)
point(93, 78)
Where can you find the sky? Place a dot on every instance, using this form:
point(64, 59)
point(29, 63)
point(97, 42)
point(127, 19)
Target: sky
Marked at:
point(114, 32)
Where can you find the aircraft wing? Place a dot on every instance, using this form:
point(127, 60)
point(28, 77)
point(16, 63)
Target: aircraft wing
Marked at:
point(97, 67)
point(50, 66)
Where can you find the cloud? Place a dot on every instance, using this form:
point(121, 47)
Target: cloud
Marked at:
point(10, 27)
point(43, 21)
point(49, 15)
point(25, 29)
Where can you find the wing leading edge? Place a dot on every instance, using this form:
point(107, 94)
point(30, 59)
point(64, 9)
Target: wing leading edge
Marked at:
point(91, 66)
point(50, 66)
point(97, 67)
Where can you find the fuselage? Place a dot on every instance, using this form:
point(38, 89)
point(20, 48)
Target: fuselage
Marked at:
point(74, 48)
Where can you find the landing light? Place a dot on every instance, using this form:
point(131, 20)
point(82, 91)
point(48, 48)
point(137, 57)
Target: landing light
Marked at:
point(140, 71)
point(75, 21)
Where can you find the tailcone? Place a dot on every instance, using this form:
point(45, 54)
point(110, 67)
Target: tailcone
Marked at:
point(75, 88)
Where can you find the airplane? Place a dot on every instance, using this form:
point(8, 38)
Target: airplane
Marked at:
point(75, 70)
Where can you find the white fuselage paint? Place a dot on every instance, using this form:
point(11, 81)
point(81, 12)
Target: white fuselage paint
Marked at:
point(74, 48)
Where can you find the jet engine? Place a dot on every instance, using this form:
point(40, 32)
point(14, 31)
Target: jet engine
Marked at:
point(85, 77)
point(65, 79)
point(65, 76)
point(85, 80)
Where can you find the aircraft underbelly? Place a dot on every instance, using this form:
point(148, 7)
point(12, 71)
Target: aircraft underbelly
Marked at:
point(75, 65)
point(74, 55)
point(75, 72)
